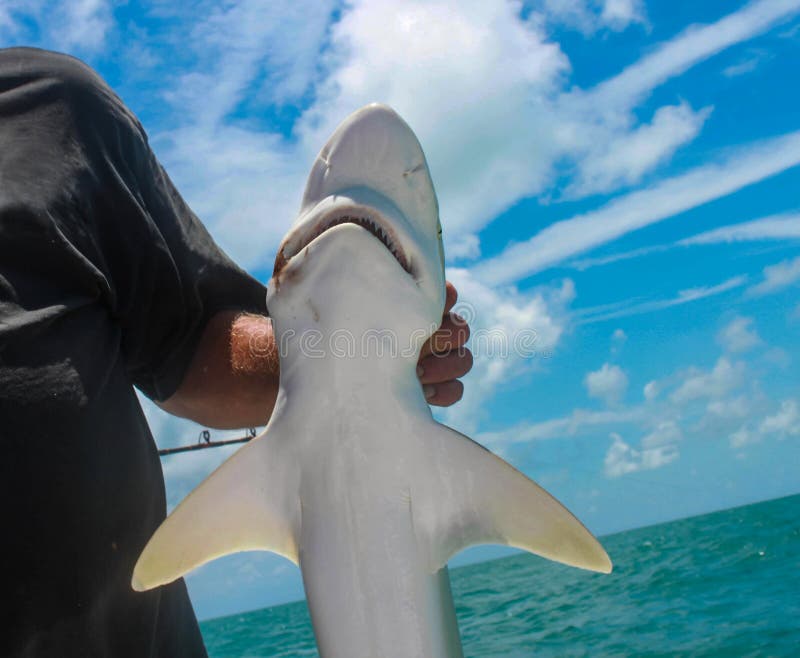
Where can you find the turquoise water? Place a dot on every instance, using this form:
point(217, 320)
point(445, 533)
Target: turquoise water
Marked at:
point(722, 584)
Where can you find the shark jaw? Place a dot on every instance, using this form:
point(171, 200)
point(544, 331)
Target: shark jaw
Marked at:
point(354, 264)
point(353, 480)
point(366, 217)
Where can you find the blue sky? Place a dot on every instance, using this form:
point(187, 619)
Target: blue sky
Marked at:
point(619, 176)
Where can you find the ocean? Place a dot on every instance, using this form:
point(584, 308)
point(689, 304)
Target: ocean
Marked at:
point(721, 584)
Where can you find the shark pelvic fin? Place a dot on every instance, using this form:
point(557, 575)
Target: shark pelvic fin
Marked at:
point(249, 503)
point(475, 497)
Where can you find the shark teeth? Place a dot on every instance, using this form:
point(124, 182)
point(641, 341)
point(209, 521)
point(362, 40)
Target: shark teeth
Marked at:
point(384, 234)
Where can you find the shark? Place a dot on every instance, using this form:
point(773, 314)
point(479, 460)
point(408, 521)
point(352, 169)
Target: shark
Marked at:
point(353, 479)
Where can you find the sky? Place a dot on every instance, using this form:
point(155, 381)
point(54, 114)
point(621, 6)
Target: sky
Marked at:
point(618, 183)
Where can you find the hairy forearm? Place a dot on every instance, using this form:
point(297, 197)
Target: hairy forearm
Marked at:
point(232, 380)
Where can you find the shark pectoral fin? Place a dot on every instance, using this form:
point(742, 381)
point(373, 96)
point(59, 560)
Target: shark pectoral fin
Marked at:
point(249, 503)
point(474, 497)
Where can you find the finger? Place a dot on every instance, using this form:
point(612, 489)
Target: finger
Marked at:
point(451, 296)
point(453, 333)
point(435, 369)
point(444, 394)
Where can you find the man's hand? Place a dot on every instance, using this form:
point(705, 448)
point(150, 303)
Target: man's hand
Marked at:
point(444, 358)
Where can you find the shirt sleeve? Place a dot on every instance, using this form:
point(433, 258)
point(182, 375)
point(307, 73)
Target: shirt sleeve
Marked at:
point(166, 275)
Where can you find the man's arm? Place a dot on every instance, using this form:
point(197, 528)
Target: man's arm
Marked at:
point(232, 380)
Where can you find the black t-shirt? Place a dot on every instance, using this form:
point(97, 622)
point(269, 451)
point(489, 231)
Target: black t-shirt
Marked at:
point(106, 281)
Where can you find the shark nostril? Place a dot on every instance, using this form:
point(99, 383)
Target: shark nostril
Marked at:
point(413, 170)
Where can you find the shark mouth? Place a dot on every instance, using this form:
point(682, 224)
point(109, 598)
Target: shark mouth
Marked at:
point(386, 235)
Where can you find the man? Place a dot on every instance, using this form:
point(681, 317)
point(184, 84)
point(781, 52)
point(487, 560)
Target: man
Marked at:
point(108, 280)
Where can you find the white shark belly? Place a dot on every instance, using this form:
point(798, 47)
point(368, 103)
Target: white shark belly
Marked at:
point(369, 588)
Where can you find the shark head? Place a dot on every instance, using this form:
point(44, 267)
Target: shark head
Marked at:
point(369, 222)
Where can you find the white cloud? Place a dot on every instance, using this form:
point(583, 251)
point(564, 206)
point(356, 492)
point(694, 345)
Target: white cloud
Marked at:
point(726, 400)
point(511, 332)
point(611, 164)
point(743, 67)
point(82, 25)
point(786, 422)
point(692, 403)
point(249, 185)
point(777, 277)
point(609, 383)
point(738, 335)
point(586, 263)
point(244, 182)
point(746, 65)
point(8, 24)
point(463, 247)
point(775, 227)
point(619, 14)
point(727, 409)
point(560, 428)
point(576, 14)
point(779, 357)
point(621, 459)
point(561, 240)
point(785, 226)
point(598, 128)
point(666, 433)
point(692, 46)
point(78, 26)
point(783, 423)
point(627, 308)
point(742, 437)
point(723, 378)
point(618, 340)
point(651, 390)
point(240, 45)
point(589, 16)
point(791, 32)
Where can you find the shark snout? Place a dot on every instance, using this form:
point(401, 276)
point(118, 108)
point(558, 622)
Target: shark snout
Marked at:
point(375, 148)
point(373, 172)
